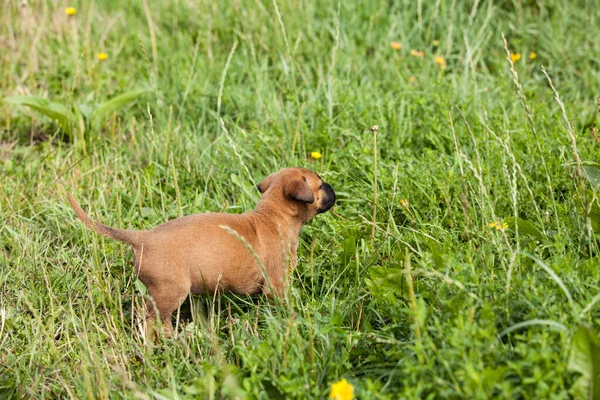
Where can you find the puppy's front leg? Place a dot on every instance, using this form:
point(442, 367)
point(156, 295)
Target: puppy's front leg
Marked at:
point(274, 286)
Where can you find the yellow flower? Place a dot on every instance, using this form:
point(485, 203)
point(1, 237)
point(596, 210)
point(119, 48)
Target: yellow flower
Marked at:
point(435, 42)
point(71, 11)
point(417, 53)
point(342, 390)
point(515, 57)
point(395, 45)
point(404, 203)
point(412, 79)
point(532, 55)
point(315, 155)
point(441, 61)
point(102, 56)
point(498, 225)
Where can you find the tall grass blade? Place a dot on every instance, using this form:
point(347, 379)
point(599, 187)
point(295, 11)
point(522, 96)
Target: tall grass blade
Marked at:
point(533, 322)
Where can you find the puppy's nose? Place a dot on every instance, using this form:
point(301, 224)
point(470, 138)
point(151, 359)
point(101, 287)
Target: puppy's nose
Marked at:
point(329, 200)
point(330, 194)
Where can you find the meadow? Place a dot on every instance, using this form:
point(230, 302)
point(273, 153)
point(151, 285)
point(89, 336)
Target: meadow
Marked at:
point(478, 278)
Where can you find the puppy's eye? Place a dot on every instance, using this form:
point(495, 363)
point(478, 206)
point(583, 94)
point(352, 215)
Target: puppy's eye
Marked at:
point(304, 178)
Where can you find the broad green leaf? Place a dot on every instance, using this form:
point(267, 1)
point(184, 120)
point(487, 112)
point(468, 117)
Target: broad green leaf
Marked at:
point(141, 288)
point(78, 119)
point(85, 110)
point(591, 263)
point(421, 312)
point(438, 255)
point(591, 171)
point(348, 246)
point(491, 376)
point(235, 179)
point(147, 212)
point(525, 228)
point(106, 109)
point(584, 358)
point(595, 218)
point(385, 283)
point(56, 111)
point(594, 210)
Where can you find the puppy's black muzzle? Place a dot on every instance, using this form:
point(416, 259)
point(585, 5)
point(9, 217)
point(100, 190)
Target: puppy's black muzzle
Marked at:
point(329, 200)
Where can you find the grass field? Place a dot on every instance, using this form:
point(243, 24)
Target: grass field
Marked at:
point(480, 277)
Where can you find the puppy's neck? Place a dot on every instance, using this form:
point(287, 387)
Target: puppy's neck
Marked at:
point(280, 214)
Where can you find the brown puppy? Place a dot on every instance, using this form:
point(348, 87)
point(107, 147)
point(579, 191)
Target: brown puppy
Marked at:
point(204, 253)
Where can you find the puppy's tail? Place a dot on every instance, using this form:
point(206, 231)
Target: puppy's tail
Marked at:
point(130, 237)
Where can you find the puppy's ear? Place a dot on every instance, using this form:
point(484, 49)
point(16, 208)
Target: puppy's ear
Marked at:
point(299, 190)
point(265, 183)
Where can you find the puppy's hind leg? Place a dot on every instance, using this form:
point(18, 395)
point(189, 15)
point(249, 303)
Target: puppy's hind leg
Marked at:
point(164, 299)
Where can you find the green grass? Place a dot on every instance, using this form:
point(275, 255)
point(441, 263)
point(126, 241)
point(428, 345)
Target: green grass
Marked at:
point(491, 313)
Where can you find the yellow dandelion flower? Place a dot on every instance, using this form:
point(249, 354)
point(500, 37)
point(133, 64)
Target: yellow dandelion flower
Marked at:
point(435, 42)
point(441, 61)
point(498, 225)
point(102, 56)
point(417, 53)
point(395, 45)
point(70, 11)
point(412, 79)
point(315, 155)
point(532, 55)
point(515, 57)
point(342, 390)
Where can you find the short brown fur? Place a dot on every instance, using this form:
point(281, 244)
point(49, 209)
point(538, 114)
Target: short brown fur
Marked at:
point(196, 253)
